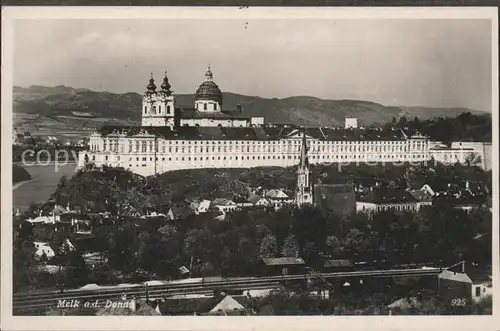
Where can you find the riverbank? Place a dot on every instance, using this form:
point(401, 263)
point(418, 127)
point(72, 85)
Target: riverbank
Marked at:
point(43, 183)
point(29, 163)
point(19, 184)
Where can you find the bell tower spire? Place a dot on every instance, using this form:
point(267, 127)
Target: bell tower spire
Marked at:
point(158, 108)
point(303, 191)
point(151, 88)
point(165, 86)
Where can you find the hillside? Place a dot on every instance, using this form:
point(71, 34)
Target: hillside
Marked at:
point(299, 110)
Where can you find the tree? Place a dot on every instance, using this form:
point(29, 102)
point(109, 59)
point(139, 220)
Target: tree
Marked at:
point(333, 246)
point(268, 247)
point(402, 122)
point(353, 241)
point(290, 247)
point(76, 272)
point(145, 255)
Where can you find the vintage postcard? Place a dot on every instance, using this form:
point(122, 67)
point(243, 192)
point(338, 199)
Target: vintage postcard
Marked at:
point(294, 168)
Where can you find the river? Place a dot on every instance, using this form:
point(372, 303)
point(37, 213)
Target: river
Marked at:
point(44, 182)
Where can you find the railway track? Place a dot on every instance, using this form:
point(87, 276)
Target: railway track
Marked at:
point(29, 302)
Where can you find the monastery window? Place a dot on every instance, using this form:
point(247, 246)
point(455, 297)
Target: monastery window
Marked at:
point(145, 109)
point(204, 106)
point(104, 146)
point(176, 149)
point(154, 109)
point(218, 157)
point(130, 146)
point(168, 110)
point(218, 149)
point(170, 159)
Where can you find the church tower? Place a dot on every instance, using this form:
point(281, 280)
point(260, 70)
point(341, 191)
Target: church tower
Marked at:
point(158, 107)
point(303, 192)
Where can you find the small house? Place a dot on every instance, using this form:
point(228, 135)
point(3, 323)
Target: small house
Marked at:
point(337, 265)
point(454, 286)
point(337, 198)
point(284, 265)
point(43, 249)
point(225, 205)
point(179, 212)
point(259, 201)
point(228, 306)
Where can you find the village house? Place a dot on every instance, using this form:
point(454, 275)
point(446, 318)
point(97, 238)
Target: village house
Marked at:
point(278, 198)
point(225, 205)
point(200, 207)
point(259, 201)
point(179, 212)
point(43, 249)
point(337, 198)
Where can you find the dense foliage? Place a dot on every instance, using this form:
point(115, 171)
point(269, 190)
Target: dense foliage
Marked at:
point(235, 246)
point(121, 192)
point(465, 127)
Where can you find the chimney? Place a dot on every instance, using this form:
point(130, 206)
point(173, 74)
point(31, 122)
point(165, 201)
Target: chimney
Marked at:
point(238, 107)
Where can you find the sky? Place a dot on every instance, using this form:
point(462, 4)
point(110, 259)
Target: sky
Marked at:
point(435, 63)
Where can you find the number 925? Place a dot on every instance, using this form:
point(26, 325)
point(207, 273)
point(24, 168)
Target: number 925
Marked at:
point(458, 302)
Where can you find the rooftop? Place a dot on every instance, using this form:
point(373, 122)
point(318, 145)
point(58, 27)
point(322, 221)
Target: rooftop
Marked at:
point(337, 263)
point(388, 196)
point(337, 197)
point(456, 276)
point(252, 133)
point(193, 113)
point(283, 261)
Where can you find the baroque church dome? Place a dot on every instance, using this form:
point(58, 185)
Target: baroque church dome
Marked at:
point(208, 90)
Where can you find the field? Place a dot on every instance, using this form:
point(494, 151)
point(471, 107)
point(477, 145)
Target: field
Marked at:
point(44, 183)
point(62, 127)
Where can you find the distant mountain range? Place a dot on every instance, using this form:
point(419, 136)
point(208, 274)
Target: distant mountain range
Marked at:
point(299, 110)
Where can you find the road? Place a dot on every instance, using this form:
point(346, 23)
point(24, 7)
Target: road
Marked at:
point(24, 303)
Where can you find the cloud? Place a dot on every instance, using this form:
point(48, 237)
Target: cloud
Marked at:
point(411, 62)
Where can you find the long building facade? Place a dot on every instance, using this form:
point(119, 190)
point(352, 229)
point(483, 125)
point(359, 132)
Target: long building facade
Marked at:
point(207, 136)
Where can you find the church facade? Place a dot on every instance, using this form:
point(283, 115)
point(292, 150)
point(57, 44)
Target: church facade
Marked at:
point(208, 136)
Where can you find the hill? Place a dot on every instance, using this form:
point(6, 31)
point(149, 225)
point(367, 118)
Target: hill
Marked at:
point(299, 110)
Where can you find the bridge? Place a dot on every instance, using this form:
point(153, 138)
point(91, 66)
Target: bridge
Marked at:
point(24, 303)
